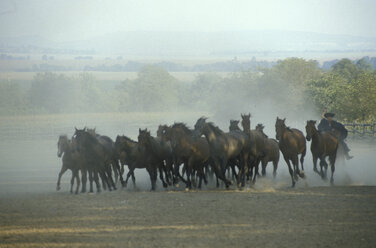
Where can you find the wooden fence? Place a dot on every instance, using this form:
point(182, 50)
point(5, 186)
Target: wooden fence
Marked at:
point(361, 130)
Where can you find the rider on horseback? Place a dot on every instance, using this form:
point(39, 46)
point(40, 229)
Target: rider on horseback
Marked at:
point(328, 124)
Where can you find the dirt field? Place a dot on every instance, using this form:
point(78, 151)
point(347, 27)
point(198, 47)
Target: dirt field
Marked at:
point(311, 217)
point(270, 214)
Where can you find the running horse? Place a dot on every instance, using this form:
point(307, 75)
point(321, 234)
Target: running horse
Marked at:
point(291, 143)
point(324, 144)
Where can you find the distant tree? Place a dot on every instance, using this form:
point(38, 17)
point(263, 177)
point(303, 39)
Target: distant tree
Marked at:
point(364, 65)
point(346, 69)
point(154, 89)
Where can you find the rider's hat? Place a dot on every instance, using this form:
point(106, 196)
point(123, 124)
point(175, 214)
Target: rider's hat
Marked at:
point(329, 115)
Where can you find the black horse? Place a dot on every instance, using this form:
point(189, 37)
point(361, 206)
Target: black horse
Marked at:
point(98, 159)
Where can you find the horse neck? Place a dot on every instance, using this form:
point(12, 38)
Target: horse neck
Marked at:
point(66, 146)
point(209, 135)
point(247, 128)
point(315, 135)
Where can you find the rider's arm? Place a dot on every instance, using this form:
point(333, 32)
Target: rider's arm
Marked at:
point(323, 113)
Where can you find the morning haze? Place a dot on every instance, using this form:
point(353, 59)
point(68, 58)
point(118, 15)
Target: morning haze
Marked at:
point(121, 67)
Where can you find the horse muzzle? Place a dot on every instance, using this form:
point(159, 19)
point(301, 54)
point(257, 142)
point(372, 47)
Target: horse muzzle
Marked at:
point(308, 138)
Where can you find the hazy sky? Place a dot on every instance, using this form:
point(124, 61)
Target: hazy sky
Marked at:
point(81, 19)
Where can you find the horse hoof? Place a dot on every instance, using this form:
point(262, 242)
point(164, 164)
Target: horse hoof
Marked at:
point(177, 185)
point(186, 189)
point(165, 185)
point(58, 188)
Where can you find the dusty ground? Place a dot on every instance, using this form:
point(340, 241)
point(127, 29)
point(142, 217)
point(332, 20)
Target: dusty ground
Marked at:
point(33, 214)
point(306, 217)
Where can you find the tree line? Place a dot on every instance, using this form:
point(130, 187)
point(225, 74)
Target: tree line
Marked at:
point(291, 85)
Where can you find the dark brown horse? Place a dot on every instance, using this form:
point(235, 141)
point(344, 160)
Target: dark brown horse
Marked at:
point(109, 145)
point(159, 153)
point(71, 160)
point(234, 125)
point(271, 151)
point(225, 147)
point(257, 146)
point(133, 155)
point(97, 159)
point(291, 143)
point(324, 144)
point(189, 149)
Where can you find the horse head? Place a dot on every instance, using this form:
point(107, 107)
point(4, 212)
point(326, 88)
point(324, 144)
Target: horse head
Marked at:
point(62, 145)
point(200, 126)
point(280, 126)
point(310, 129)
point(246, 122)
point(82, 137)
point(163, 132)
point(234, 125)
point(143, 137)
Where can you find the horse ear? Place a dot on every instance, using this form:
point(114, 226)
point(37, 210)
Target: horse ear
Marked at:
point(314, 122)
point(139, 130)
point(284, 119)
point(94, 129)
point(85, 129)
point(76, 128)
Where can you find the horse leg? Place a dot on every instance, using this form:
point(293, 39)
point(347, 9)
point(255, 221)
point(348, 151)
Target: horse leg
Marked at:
point(126, 180)
point(118, 171)
point(291, 171)
point(62, 171)
point(160, 167)
point(84, 180)
point(264, 163)
point(302, 160)
point(91, 178)
point(188, 170)
point(256, 171)
point(275, 167)
point(96, 180)
point(110, 180)
point(155, 174)
point(295, 163)
point(78, 182)
point(332, 160)
point(72, 181)
point(315, 158)
point(323, 166)
point(104, 183)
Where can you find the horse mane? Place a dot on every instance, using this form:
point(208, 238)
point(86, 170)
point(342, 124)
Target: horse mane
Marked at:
point(183, 126)
point(260, 128)
point(215, 129)
point(128, 139)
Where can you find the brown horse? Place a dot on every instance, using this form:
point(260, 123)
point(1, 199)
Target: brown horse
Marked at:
point(257, 147)
point(225, 147)
point(324, 144)
point(271, 150)
point(187, 148)
point(72, 161)
point(158, 151)
point(131, 153)
point(291, 143)
point(108, 144)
